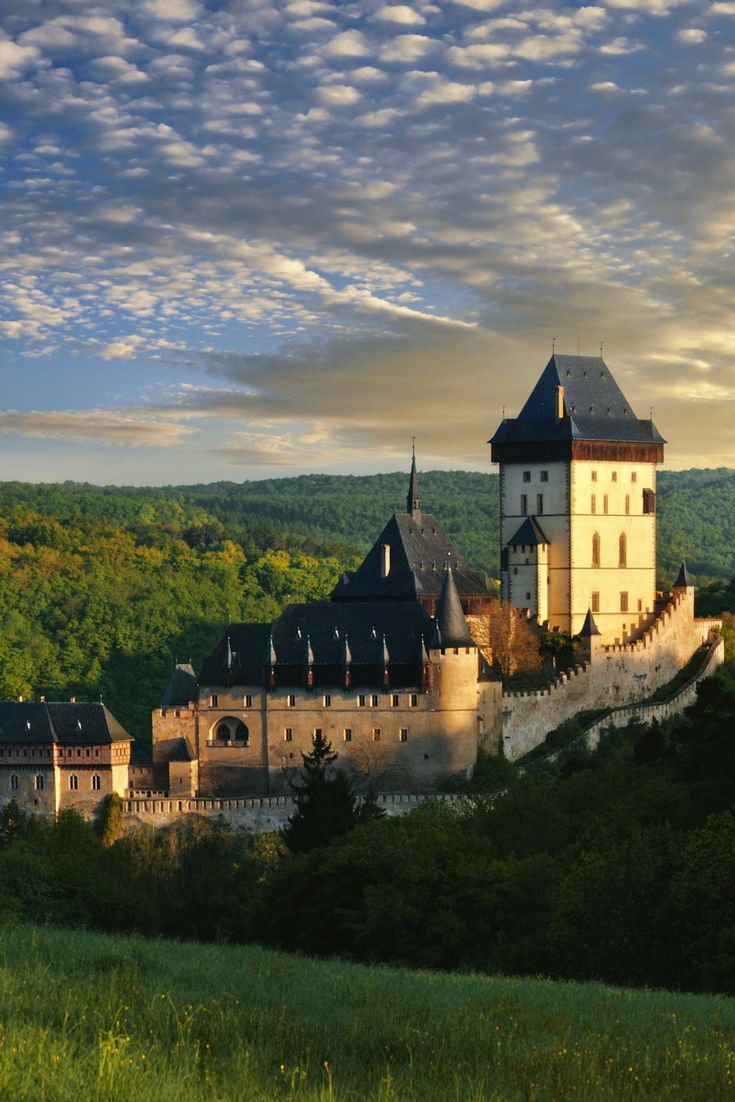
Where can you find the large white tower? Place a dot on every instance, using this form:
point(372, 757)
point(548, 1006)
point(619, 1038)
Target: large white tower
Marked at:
point(578, 502)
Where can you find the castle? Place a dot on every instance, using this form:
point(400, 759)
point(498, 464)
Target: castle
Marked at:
point(397, 669)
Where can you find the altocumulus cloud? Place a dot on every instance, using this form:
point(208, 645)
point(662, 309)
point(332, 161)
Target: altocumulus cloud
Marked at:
point(332, 225)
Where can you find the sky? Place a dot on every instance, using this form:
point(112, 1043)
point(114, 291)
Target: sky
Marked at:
point(246, 239)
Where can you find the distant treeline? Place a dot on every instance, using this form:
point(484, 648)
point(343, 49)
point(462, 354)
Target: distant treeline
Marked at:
point(343, 514)
point(617, 865)
point(103, 588)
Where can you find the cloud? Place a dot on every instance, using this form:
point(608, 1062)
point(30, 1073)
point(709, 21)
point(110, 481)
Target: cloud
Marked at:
point(124, 348)
point(400, 13)
point(94, 426)
point(407, 47)
point(14, 58)
point(691, 35)
point(338, 95)
point(347, 44)
point(173, 11)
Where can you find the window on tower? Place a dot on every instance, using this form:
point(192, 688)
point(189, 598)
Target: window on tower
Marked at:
point(539, 504)
point(526, 476)
point(544, 476)
point(623, 602)
point(622, 550)
point(596, 549)
point(593, 503)
point(524, 504)
point(595, 602)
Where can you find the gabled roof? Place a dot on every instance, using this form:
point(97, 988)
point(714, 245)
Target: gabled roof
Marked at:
point(595, 408)
point(182, 686)
point(64, 723)
point(420, 549)
point(400, 627)
point(530, 534)
point(450, 619)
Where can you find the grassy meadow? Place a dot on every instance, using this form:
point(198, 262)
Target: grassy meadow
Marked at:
point(118, 1019)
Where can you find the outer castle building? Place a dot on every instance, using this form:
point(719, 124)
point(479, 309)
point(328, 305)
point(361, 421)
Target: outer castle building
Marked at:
point(397, 669)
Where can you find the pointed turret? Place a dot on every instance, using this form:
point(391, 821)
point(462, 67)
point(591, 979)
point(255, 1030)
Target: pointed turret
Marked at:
point(413, 501)
point(589, 627)
point(270, 661)
point(450, 619)
point(385, 657)
point(346, 662)
point(683, 580)
point(309, 655)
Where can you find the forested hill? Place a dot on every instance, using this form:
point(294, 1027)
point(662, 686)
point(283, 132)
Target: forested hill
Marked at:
point(343, 514)
point(103, 588)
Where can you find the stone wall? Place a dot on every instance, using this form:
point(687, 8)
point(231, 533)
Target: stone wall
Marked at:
point(616, 676)
point(647, 713)
point(255, 815)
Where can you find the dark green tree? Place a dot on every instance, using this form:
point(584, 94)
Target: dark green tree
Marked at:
point(327, 805)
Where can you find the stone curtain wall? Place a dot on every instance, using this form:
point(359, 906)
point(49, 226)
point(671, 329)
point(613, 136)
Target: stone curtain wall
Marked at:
point(258, 815)
point(646, 713)
point(616, 676)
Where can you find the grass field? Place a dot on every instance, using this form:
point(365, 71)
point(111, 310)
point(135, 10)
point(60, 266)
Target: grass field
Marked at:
point(86, 1016)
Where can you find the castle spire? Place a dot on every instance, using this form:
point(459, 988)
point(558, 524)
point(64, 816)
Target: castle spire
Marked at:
point(683, 581)
point(450, 619)
point(413, 501)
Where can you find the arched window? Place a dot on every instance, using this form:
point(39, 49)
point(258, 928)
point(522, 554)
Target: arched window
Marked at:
point(622, 550)
point(38, 782)
point(96, 783)
point(596, 549)
point(14, 782)
point(223, 733)
point(73, 782)
point(231, 729)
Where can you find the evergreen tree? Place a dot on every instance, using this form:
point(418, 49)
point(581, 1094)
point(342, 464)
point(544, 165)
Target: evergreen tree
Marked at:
point(327, 805)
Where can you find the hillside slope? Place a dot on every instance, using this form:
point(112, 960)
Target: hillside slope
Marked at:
point(95, 1017)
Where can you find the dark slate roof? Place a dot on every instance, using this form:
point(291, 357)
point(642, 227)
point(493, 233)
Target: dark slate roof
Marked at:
point(63, 723)
point(326, 626)
point(683, 580)
point(182, 686)
point(594, 408)
point(530, 534)
point(419, 551)
point(589, 627)
point(453, 629)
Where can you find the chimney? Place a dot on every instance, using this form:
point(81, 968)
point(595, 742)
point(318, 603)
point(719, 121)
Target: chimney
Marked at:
point(560, 403)
point(385, 561)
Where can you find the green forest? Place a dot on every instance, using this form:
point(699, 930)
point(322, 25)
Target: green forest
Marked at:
point(104, 588)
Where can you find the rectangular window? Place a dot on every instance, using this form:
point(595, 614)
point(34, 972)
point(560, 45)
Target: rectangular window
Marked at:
point(213, 700)
point(316, 733)
point(526, 476)
point(14, 783)
point(376, 734)
point(594, 476)
point(539, 504)
point(604, 503)
point(640, 606)
point(248, 701)
point(633, 476)
point(649, 502)
point(394, 700)
point(413, 700)
point(595, 602)
point(524, 504)
point(38, 782)
point(623, 602)
point(361, 700)
point(327, 700)
point(288, 734)
point(290, 701)
point(347, 734)
point(544, 476)
point(404, 734)
point(627, 504)
point(615, 476)
point(96, 783)
point(374, 700)
point(593, 504)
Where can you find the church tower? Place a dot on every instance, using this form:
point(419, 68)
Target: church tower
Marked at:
point(578, 502)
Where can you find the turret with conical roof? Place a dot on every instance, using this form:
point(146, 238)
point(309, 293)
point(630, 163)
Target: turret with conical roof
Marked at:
point(450, 619)
point(683, 580)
